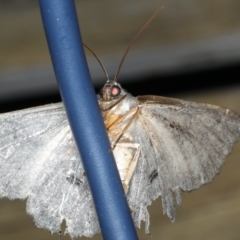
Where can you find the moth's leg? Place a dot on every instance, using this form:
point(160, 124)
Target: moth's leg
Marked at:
point(126, 127)
point(130, 167)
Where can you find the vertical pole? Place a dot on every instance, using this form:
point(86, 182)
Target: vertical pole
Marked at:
point(71, 70)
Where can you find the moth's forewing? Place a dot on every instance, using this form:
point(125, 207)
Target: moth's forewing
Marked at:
point(38, 156)
point(186, 143)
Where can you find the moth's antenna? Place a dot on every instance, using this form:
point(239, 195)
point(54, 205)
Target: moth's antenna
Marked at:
point(134, 40)
point(103, 68)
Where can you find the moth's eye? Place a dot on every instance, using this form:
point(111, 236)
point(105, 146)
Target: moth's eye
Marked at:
point(115, 91)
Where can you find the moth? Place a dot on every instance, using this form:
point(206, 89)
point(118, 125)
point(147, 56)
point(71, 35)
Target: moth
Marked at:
point(162, 146)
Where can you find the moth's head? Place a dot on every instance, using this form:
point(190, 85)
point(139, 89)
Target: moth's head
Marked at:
point(111, 91)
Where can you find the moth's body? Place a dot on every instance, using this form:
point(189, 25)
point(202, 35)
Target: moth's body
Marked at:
point(162, 146)
point(116, 119)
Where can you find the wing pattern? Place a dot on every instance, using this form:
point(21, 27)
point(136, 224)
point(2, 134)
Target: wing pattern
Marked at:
point(183, 145)
point(39, 161)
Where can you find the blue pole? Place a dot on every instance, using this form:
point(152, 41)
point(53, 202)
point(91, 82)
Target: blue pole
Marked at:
point(71, 70)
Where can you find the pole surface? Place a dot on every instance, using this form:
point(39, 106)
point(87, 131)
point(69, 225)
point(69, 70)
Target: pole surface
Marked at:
point(71, 70)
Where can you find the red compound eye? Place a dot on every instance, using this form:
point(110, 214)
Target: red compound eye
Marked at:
point(115, 91)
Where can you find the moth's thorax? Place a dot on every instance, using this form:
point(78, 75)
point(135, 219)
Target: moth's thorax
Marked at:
point(122, 107)
point(117, 111)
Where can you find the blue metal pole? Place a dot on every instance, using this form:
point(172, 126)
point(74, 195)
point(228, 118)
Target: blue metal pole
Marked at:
point(71, 70)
